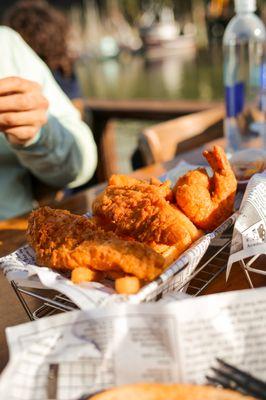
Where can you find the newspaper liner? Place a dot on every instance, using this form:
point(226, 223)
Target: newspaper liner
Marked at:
point(69, 355)
point(249, 235)
point(20, 267)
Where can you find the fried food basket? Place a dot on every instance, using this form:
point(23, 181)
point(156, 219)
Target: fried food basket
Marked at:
point(194, 271)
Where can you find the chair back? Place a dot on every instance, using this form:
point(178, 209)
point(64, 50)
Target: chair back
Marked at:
point(161, 142)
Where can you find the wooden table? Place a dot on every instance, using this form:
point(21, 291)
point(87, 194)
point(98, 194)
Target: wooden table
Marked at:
point(12, 235)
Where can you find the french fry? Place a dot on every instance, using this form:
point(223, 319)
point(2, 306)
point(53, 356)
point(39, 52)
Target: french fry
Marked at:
point(82, 274)
point(127, 285)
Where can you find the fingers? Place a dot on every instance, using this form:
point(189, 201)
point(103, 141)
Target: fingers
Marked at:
point(22, 127)
point(17, 85)
point(26, 118)
point(22, 109)
point(21, 134)
point(23, 102)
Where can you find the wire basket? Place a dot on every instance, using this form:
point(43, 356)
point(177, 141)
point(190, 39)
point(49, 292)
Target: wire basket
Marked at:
point(212, 264)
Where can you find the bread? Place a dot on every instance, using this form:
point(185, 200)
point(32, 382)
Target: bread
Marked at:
point(158, 391)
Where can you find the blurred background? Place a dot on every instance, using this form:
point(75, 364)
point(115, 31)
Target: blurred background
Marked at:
point(147, 49)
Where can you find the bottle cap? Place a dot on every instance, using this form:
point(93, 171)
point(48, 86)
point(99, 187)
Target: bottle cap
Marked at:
point(245, 6)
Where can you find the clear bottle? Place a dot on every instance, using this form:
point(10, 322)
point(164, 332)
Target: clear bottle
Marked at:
point(245, 79)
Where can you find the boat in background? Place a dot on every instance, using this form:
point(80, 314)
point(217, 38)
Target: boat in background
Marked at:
point(163, 37)
point(156, 34)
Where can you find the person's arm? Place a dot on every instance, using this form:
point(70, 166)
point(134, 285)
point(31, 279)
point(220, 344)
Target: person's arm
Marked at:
point(62, 151)
point(56, 157)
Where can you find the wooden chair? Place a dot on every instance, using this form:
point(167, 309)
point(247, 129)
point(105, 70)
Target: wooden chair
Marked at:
point(161, 142)
point(109, 160)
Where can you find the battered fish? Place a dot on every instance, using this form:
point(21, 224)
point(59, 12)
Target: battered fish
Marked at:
point(163, 188)
point(142, 212)
point(63, 241)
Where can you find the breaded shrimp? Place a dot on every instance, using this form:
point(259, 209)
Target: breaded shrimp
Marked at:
point(208, 201)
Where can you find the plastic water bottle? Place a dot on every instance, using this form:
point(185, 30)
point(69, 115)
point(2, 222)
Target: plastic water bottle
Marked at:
point(245, 79)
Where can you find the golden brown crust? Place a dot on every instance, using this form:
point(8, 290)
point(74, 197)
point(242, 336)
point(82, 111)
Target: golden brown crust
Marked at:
point(208, 201)
point(157, 391)
point(140, 211)
point(123, 180)
point(163, 188)
point(136, 229)
point(170, 253)
point(63, 240)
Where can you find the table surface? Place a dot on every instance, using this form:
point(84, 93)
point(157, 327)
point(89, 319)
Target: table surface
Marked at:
point(12, 235)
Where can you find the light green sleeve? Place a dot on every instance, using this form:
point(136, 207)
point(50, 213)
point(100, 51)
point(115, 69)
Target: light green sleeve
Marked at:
point(64, 152)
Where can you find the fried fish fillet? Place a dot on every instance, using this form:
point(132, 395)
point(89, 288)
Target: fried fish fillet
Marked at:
point(142, 212)
point(163, 188)
point(63, 241)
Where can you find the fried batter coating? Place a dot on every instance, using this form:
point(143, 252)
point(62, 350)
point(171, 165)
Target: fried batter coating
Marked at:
point(163, 188)
point(208, 201)
point(123, 180)
point(141, 211)
point(170, 253)
point(63, 241)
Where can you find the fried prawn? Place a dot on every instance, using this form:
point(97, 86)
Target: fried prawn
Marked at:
point(208, 201)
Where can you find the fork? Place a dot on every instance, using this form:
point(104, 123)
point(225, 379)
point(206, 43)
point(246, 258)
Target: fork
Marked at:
point(230, 377)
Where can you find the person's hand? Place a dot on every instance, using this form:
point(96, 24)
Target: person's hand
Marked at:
point(22, 109)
